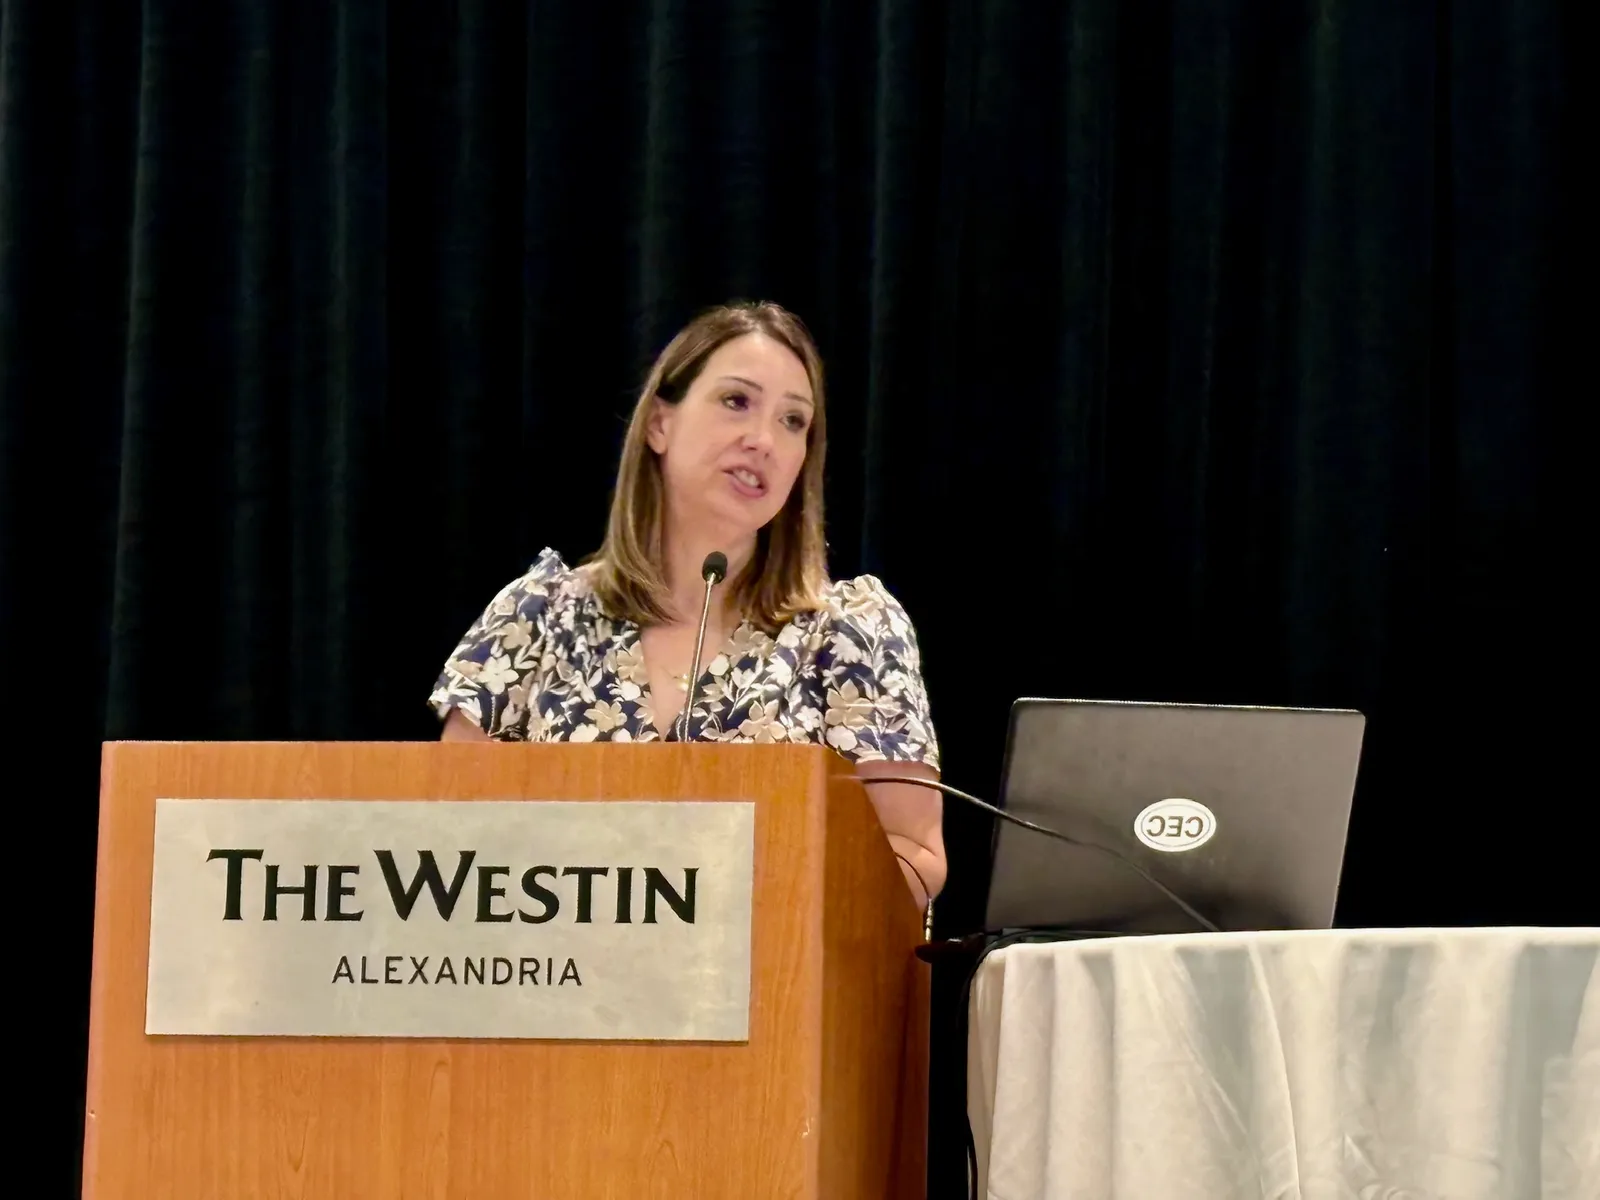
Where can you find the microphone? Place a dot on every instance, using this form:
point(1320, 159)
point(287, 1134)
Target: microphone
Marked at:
point(714, 570)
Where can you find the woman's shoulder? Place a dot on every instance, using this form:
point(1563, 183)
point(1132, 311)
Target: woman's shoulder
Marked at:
point(860, 612)
point(863, 601)
point(547, 583)
point(550, 573)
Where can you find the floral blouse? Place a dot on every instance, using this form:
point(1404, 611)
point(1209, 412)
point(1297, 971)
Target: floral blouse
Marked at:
point(543, 663)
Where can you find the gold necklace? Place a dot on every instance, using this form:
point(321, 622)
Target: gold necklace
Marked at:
point(683, 680)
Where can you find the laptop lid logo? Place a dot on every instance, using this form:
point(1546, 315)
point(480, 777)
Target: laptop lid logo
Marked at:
point(1175, 825)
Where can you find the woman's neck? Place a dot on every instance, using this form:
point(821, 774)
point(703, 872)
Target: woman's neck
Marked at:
point(684, 553)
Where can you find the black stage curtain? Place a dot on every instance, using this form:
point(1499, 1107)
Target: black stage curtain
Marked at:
point(1218, 352)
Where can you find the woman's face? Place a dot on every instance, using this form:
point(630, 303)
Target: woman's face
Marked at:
point(733, 447)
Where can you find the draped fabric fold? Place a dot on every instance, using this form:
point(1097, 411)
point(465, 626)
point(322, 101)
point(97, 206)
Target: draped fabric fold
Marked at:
point(1316, 1065)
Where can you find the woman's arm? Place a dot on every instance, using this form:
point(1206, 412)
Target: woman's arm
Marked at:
point(458, 727)
point(913, 819)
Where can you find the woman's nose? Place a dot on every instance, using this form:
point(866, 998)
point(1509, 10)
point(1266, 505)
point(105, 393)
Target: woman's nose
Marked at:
point(758, 436)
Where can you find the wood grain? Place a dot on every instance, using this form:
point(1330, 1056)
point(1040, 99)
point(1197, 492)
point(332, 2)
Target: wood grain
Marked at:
point(802, 1109)
point(864, 1014)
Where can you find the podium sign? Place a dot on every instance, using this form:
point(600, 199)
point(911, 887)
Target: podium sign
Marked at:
point(463, 970)
point(451, 919)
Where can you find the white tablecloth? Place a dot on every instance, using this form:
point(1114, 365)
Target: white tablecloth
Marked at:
point(1377, 1065)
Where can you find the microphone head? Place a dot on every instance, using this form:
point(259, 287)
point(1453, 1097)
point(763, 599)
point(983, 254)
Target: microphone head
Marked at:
point(715, 567)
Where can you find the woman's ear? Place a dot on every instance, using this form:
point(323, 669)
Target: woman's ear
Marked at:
point(659, 424)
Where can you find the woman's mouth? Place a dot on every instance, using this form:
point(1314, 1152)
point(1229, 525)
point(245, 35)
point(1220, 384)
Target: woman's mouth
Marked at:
point(746, 482)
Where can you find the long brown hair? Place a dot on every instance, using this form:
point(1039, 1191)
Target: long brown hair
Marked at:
point(789, 570)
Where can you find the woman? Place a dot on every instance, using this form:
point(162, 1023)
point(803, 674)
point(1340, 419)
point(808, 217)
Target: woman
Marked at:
point(724, 453)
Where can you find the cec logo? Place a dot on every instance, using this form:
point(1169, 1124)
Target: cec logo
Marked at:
point(1175, 825)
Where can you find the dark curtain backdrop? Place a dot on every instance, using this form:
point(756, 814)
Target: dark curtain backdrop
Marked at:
point(1184, 351)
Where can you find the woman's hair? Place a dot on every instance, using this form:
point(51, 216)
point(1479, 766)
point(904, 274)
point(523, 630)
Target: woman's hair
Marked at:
point(789, 569)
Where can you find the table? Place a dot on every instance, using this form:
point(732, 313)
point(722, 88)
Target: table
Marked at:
point(1457, 1064)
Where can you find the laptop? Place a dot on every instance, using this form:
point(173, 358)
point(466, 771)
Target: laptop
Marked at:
point(1242, 812)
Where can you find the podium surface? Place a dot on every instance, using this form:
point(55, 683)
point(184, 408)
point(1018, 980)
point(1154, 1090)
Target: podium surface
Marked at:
point(825, 1097)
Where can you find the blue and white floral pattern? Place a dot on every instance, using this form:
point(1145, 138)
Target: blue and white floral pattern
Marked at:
point(544, 664)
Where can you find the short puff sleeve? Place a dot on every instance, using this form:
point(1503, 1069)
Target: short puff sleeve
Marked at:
point(875, 705)
point(491, 674)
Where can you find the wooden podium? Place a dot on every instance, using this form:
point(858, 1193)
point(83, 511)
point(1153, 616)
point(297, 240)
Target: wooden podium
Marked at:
point(826, 1098)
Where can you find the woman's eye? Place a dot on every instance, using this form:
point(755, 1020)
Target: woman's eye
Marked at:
point(795, 422)
point(736, 400)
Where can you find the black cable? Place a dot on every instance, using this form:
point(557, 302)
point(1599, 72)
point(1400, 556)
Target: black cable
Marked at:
point(937, 786)
point(927, 896)
point(993, 943)
point(964, 1011)
point(972, 1162)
